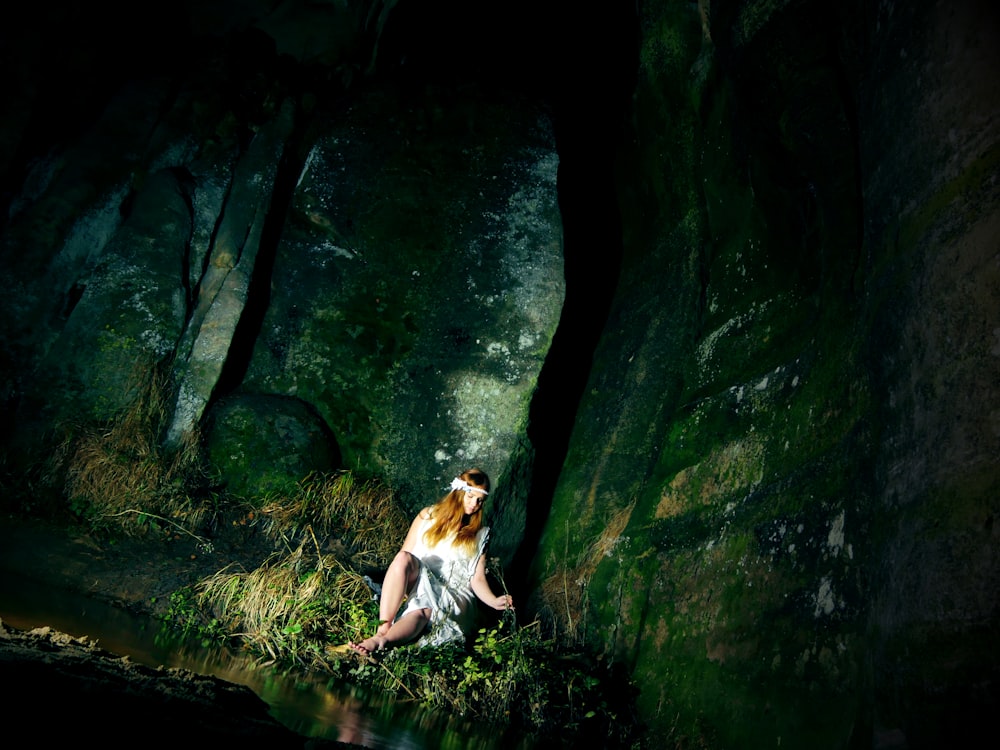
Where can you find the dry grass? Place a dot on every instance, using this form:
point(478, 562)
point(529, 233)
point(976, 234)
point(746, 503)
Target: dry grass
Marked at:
point(118, 475)
point(363, 513)
point(295, 602)
point(299, 606)
point(564, 591)
point(290, 602)
point(302, 607)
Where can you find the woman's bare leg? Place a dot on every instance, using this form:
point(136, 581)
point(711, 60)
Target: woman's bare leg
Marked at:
point(399, 579)
point(404, 630)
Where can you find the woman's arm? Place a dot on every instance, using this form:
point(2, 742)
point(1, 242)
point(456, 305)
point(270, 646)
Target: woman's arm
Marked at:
point(481, 588)
point(410, 542)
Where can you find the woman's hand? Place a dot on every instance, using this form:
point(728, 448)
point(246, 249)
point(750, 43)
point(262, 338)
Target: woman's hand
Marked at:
point(504, 601)
point(481, 588)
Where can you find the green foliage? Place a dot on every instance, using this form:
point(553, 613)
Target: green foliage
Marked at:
point(509, 676)
point(301, 609)
point(186, 619)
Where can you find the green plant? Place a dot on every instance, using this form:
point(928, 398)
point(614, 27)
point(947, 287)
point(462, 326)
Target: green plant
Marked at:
point(509, 676)
point(187, 619)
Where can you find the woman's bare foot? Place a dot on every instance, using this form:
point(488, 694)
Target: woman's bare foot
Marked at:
point(369, 646)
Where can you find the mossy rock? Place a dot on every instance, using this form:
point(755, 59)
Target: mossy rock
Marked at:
point(257, 444)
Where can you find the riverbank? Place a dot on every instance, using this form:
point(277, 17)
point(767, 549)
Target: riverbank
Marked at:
point(138, 573)
point(60, 687)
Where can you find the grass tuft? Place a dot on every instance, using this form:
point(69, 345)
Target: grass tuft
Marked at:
point(118, 475)
point(363, 513)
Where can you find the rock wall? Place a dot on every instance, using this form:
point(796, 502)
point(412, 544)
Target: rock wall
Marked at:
point(778, 500)
point(379, 260)
point(931, 113)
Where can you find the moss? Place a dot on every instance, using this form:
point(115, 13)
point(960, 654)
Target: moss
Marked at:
point(685, 531)
point(711, 678)
point(963, 189)
point(667, 41)
point(890, 272)
point(752, 590)
point(742, 437)
point(664, 156)
point(720, 596)
point(736, 660)
point(260, 444)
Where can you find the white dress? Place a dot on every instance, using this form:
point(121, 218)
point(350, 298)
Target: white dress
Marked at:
point(444, 585)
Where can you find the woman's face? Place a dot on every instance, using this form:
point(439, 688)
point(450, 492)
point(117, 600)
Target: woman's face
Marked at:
point(473, 501)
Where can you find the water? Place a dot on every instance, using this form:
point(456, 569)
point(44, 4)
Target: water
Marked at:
point(309, 703)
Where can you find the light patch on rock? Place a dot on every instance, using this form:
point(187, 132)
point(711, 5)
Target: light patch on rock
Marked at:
point(835, 539)
point(707, 347)
point(527, 225)
point(824, 598)
point(307, 165)
point(481, 409)
point(91, 233)
point(738, 464)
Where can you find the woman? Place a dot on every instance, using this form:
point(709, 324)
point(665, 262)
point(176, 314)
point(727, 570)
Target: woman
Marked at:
point(438, 571)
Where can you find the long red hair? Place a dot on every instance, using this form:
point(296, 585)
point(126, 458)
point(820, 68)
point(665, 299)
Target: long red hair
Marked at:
point(449, 518)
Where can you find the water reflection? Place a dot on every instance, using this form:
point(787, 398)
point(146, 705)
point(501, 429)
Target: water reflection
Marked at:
point(311, 704)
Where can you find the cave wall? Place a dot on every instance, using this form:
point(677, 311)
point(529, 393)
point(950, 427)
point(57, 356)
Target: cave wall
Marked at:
point(777, 503)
